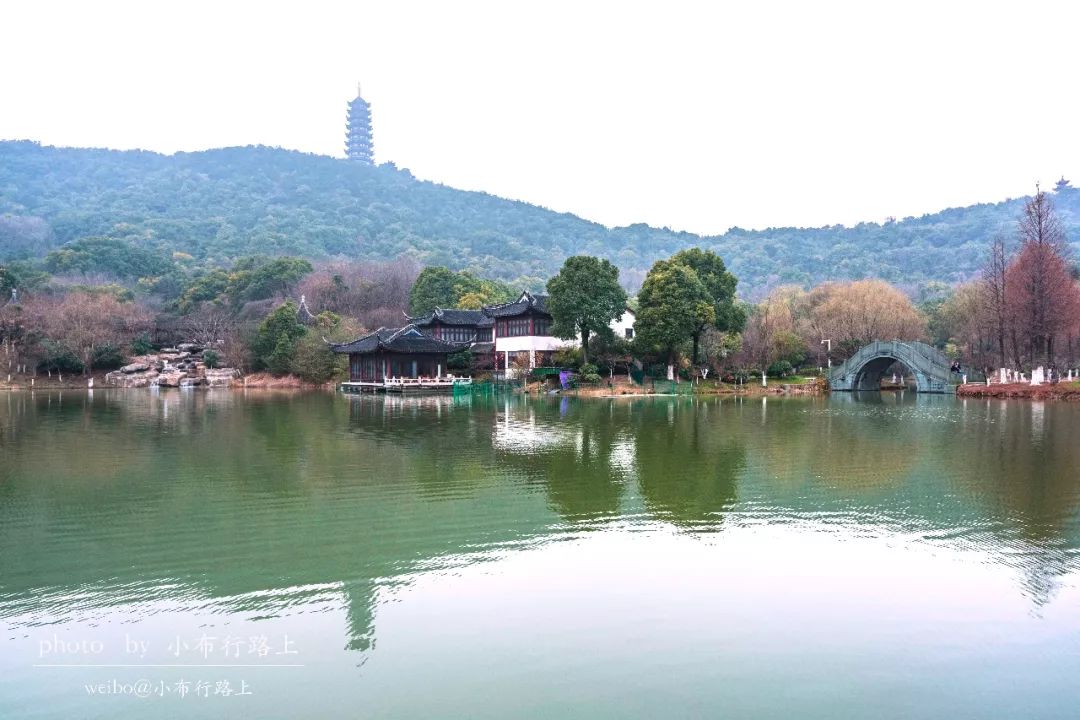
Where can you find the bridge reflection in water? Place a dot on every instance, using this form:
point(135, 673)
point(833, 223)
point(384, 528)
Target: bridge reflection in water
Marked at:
point(865, 369)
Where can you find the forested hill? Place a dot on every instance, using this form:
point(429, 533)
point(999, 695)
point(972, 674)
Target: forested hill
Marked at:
point(222, 204)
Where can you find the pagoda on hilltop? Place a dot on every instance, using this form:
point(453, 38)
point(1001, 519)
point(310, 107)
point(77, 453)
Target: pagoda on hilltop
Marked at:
point(358, 144)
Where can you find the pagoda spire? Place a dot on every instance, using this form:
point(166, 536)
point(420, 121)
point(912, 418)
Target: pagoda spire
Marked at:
point(358, 141)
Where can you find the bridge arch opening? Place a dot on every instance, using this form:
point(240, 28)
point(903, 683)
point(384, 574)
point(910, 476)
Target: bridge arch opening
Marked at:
point(869, 377)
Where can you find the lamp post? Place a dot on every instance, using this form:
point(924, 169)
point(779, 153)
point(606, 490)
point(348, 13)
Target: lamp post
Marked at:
point(828, 351)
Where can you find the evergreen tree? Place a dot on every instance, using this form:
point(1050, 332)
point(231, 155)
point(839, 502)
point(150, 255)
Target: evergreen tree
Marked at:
point(436, 287)
point(584, 298)
point(672, 305)
point(275, 341)
point(710, 269)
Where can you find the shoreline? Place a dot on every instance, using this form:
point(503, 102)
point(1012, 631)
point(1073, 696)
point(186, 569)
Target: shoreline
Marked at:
point(255, 381)
point(1021, 391)
point(1067, 391)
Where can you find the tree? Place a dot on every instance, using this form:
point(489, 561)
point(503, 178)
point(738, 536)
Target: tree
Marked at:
point(274, 278)
point(770, 337)
point(968, 325)
point(440, 287)
point(374, 293)
point(16, 333)
point(710, 269)
point(717, 347)
point(112, 257)
point(612, 353)
point(86, 323)
point(1039, 282)
point(7, 283)
point(275, 340)
point(585, 297)
point(1043, 298)
point(856, 313)
point(672, 305)
point(312, 359)
point(471, 301)
point(995, 300)
point(209, 325)
point(435, 287)
point(211, 286)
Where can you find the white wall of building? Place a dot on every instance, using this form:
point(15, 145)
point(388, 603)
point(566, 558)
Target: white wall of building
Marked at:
point(545, 343)
point(624, 323)
point(531, 342)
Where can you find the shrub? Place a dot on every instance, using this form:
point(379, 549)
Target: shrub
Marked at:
point(313, 361)
point(567, 357)
point(108, 357)
point(780, 368)
point(211, 359)
point(280, 360)
point(141, 345)
point(461, 360)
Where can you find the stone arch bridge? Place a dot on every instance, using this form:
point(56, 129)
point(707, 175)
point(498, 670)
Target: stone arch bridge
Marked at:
point(864, 369)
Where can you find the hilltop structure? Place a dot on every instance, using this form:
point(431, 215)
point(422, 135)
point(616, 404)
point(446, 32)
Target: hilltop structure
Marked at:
point(358, 144)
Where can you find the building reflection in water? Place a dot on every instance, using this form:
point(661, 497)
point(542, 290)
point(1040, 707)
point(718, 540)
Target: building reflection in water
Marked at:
point(267, 504)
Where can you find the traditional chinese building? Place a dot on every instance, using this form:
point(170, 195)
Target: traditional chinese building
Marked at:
point(358, 142)
point(399, 359)
point(515, 335)
point(522, 334)
point(456, 325)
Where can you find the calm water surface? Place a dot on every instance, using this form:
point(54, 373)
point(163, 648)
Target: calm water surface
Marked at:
point(221, 555)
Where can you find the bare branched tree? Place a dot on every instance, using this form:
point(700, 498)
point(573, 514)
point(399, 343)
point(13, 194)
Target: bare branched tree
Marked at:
point(209, 325)
point(996, 305)
point(1039, 285)
point(373, 293)
point(85, 323)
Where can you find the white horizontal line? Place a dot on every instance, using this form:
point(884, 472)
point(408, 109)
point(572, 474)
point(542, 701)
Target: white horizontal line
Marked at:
point(195, 665)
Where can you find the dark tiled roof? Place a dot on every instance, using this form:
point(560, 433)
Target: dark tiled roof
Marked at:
point(526, 302)
point(482, 347)
point(407, 339)
point(450, 317)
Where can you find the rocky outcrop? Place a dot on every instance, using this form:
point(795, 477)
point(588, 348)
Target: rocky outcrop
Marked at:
point(181, 366)
point(221, 377)
point(170, 378)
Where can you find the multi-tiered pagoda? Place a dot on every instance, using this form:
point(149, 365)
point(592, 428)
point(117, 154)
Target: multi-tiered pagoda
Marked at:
point(358, 130)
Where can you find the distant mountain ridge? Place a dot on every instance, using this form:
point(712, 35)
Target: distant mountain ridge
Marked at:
point(217, 205)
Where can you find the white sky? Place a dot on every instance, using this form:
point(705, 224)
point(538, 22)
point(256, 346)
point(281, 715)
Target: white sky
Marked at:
point(697, 117)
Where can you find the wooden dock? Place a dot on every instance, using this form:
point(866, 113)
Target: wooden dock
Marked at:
point(443, 384)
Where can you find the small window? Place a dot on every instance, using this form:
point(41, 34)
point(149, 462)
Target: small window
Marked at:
point(629, 333)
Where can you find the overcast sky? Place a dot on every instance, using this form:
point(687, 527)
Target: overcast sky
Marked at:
point(690, 116)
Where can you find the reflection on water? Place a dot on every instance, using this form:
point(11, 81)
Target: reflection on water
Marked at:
point(391, 534)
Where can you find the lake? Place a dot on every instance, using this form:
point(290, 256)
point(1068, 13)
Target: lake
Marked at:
point(309, 555)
